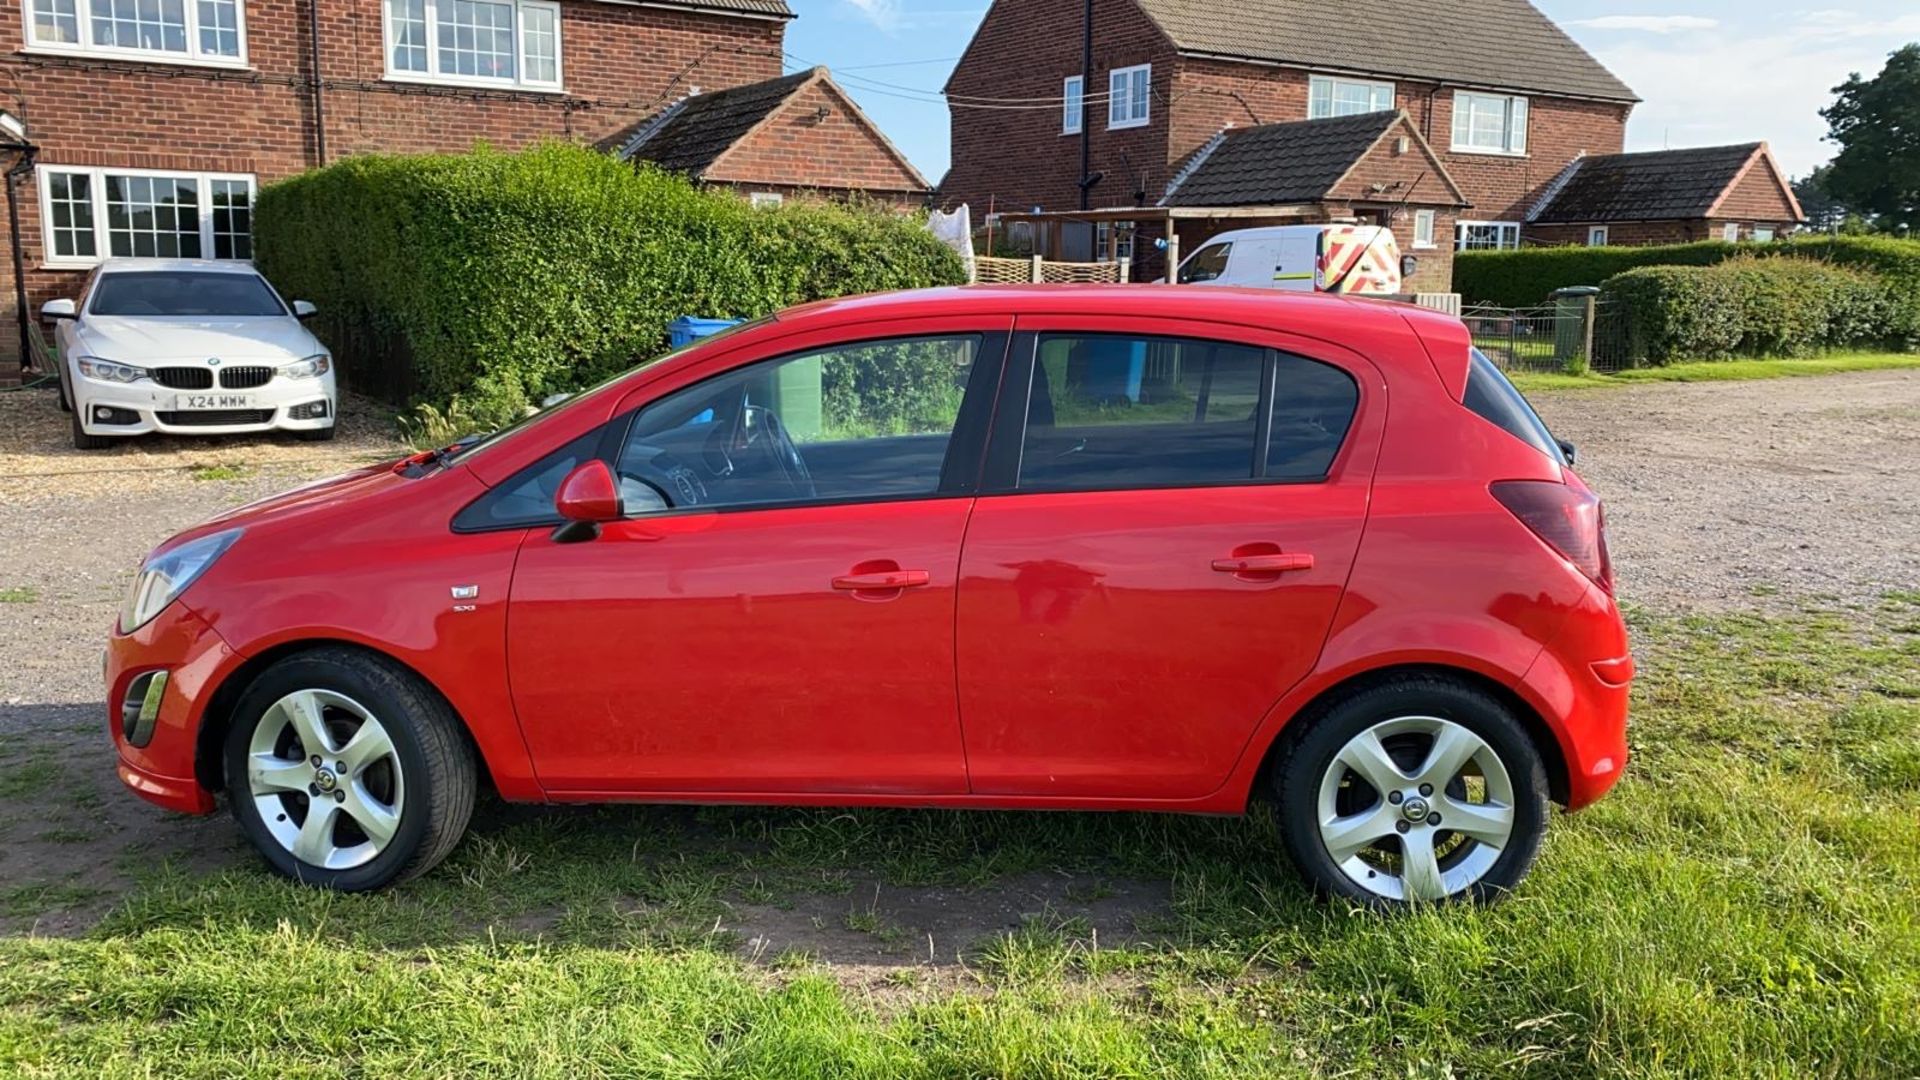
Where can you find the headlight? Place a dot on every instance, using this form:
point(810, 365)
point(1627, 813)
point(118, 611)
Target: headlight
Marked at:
point(108, 371)
point(311, 368)
point(165, 576)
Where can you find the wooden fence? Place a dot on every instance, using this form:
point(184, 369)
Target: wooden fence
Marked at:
point(996, 271)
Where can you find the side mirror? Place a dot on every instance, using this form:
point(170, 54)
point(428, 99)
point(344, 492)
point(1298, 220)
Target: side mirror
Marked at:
point(589, 495)
point(1569, 451)
point(304, 309)
point(58, 309)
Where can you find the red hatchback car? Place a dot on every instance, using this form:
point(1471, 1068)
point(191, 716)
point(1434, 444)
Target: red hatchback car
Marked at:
point(1024, 548)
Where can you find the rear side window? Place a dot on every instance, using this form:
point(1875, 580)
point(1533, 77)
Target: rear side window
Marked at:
point(1495, 399)
point(1109, 412)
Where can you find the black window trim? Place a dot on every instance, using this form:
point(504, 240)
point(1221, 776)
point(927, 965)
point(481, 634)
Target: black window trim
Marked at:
point(960, 471)
point(1006, 444)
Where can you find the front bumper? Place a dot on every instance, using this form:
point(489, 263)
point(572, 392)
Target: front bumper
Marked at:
point(195, 658)
point(144, 408)
point(1581, 683)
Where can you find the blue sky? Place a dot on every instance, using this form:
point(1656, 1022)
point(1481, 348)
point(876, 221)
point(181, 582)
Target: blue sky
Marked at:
point(1715, 71)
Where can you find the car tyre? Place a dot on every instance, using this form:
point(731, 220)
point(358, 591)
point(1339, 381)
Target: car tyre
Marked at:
point(324, 434)
point(84, 441)
point(1387, 848)
point(395, 778)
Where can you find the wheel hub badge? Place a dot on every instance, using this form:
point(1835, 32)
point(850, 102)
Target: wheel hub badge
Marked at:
point(1415, 808)
point(325, 780)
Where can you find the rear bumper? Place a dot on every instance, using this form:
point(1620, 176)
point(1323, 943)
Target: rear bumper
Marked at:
point(1581, 683)
point(195, 659)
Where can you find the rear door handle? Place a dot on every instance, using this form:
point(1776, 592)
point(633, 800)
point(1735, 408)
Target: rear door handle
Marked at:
point(883, 579)
point(1277, 563)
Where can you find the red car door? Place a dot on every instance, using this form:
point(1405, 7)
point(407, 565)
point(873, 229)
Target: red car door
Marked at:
point(1165, 531)
point(775, 614)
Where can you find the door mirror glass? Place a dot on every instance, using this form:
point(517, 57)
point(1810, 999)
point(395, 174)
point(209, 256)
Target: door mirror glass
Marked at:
point(57, 309)
point(304, 309)
point(589, 494)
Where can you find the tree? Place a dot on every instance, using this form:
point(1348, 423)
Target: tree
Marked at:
point(1824, 212)
point(1877, 124)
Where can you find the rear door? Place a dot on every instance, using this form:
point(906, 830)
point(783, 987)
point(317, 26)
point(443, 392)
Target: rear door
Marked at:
point(1169, 515)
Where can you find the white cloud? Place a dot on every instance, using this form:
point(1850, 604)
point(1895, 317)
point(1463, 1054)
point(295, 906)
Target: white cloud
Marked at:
point(884, 14)
point(1652, 24)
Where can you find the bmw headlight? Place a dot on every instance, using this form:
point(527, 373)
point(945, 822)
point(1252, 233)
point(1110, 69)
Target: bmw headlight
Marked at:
point(107, 371)
point(311, 368)
point(166, 575)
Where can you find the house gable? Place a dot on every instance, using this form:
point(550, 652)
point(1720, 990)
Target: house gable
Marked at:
point(1371, 157)
point(1739, 181)
point(818, 138)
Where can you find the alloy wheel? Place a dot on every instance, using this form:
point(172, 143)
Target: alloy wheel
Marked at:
point(325, 779)
point(1415, 808)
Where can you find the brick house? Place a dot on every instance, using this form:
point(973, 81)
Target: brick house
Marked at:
point(795, 135)
point(1727, 193)
point(156, 120)
point(1504, 98)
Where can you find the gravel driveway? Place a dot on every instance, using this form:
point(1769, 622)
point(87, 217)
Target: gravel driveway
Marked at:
point(1728, 494)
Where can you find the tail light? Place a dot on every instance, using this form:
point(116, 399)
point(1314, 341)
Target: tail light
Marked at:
point(1568, 517)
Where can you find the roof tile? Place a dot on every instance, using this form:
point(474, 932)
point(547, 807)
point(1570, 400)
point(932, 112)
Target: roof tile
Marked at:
point(1657, 185)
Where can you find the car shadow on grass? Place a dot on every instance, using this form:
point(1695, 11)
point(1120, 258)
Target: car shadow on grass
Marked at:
point(865, 889)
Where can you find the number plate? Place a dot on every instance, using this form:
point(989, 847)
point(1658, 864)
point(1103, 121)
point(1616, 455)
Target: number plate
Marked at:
point(212, 401)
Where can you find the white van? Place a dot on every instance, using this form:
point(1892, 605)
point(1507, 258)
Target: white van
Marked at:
point(1362, 259)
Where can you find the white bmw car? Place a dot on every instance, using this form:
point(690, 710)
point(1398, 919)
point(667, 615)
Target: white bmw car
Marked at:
point(188, 348)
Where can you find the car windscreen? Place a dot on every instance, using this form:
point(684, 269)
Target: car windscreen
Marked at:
point(187, 293)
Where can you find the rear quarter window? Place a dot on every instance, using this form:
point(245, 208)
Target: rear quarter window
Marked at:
point(1496, 400)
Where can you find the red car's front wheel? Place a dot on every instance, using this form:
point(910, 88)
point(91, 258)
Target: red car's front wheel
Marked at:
point(347, 772)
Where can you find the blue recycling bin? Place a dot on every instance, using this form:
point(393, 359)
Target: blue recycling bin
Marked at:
point(688, 329)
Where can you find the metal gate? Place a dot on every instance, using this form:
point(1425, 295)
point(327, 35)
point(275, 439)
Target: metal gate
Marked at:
point(1572, 334)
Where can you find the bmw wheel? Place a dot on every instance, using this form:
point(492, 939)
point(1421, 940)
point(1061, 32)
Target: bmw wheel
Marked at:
point(1418, 789)
point(346, 771)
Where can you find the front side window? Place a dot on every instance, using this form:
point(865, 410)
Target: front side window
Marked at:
point(475, 42)
point(90, 213)
point(205, 31)
point(1486, 235)
point(1328, 96)
point(1073, 94)
point(1129, 103)
point(1207, 264)
point(1489, 123)
point(184, 294)
point(865, 421)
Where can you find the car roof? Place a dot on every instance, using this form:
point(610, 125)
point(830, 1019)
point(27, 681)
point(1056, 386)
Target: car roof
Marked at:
point(216, 266)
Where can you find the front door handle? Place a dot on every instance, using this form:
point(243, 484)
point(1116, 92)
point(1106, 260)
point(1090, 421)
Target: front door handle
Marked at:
point(882, 579)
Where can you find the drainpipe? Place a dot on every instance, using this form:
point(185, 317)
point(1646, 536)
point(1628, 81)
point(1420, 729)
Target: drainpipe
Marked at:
point(1086, 111)
point(319, 107)
point(24, 317)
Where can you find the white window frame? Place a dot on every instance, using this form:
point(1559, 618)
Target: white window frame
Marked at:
point(1515, 117)
point(1764, 234)
point(765, 200)
point(1123, 97)
point(97, 183)
point(1073, 104)
point(433, 76)
point(1508, 229)
point(1730, 232)
point(1596, 236)
point(1333, 83)
point(85, 47)
point(1423, 226)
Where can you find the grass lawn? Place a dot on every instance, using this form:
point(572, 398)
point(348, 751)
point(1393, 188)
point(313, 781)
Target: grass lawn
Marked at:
point(1718, 370)
point(1746, 904)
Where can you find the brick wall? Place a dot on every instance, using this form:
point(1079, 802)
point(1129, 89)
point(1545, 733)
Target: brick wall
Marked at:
point(1018, 157)
point(1757, 196)
point(619, 62)
point(817, 140)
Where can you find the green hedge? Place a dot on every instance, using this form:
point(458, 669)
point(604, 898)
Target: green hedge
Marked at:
point(1528, 276)
point(1755, 307)
point(495, 279)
